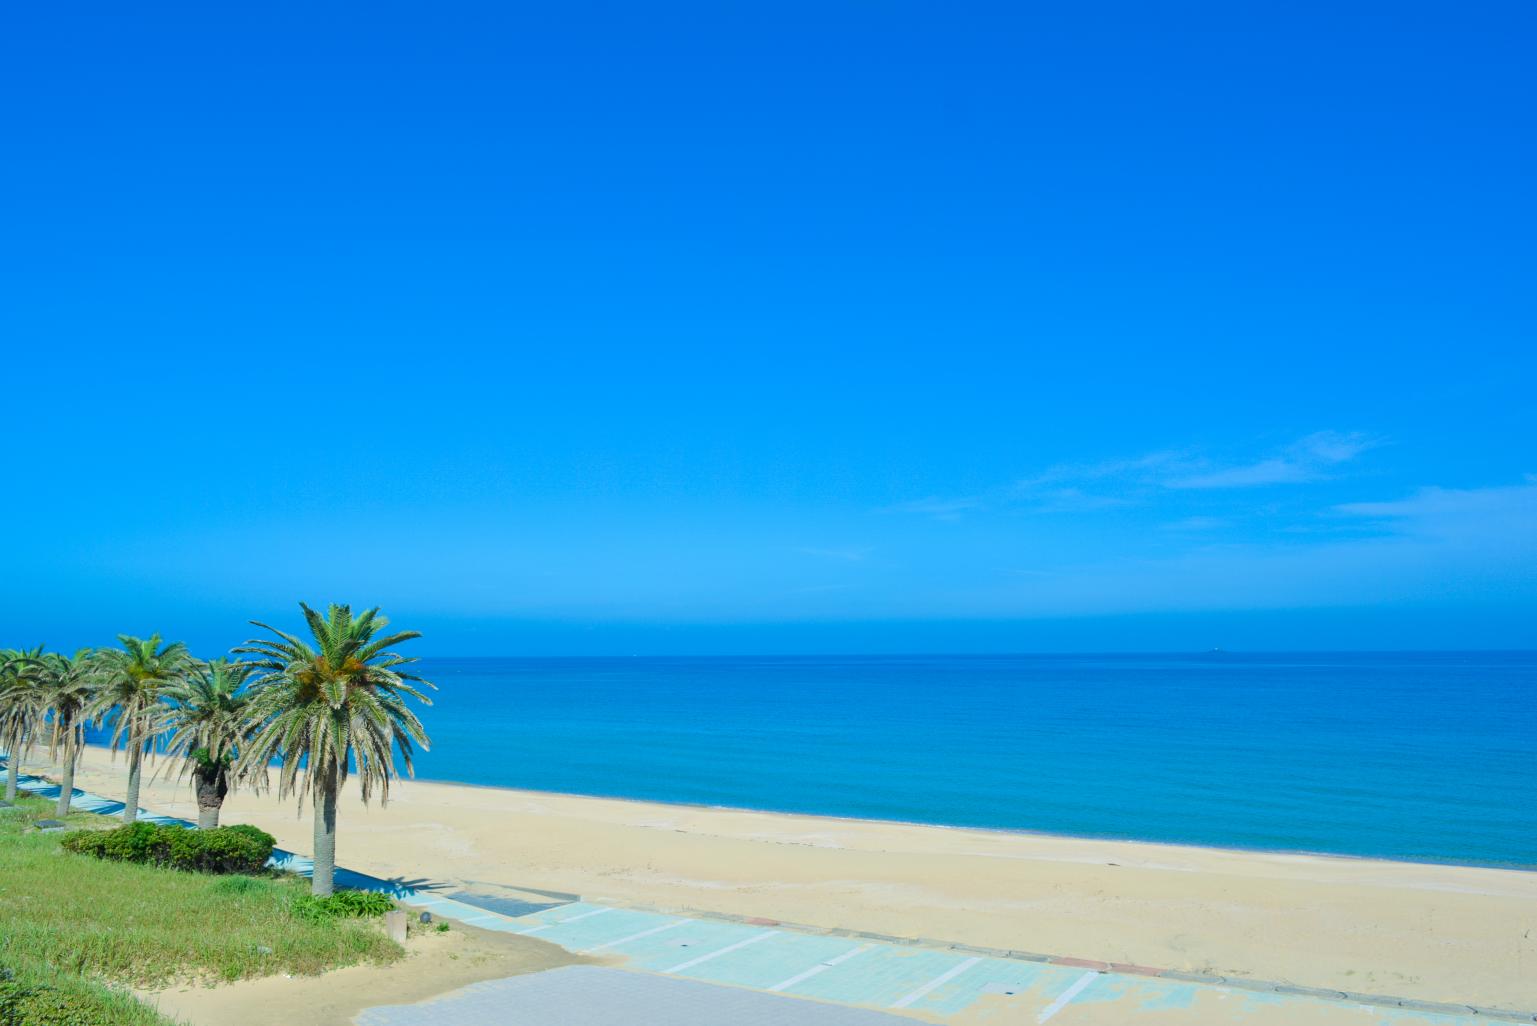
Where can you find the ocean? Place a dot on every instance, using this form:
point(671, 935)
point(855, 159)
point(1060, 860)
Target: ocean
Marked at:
point(1406, 756)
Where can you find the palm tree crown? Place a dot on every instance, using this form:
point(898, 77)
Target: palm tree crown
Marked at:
point(67, 690)
point(21, 710)
point(344, 695)
point(133, 679)
point(19, 705)
point(206, 723)
point(206, 711)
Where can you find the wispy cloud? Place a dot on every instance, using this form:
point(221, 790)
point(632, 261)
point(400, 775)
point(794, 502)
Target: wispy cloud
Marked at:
point(1307, 459)
point(846, 554)
point(1265, 472)
point(1071, 500)
point(1470, 512)
point(1194, 524)
point(1148, 468)
point(1334, 447)
point(1436, 542)
point(940, 509)
point(1086, 487)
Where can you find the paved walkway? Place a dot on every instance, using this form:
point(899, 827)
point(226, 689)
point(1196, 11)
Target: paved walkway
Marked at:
point(586, 995)
point(938, 984)
point(935, 983)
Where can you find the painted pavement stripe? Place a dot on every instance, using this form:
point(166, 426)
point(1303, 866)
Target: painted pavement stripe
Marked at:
point(936, 982)
point(584, 915)
point(637, 936)
point(1066, 997)
point(821, 968)
point(563, 922)
point(723, 951)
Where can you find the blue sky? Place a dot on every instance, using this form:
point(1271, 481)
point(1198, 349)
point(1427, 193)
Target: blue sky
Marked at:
point(600, 329)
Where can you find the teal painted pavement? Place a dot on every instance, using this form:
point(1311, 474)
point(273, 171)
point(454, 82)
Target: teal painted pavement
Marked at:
point(937, 984)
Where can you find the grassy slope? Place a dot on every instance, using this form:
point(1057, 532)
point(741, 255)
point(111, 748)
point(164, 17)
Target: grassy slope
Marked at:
point(66, 916)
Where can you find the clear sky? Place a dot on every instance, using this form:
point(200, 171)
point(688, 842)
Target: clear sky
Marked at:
point(716, 327)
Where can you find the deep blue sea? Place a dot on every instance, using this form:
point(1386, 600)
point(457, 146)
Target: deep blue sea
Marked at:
point(1408, 756)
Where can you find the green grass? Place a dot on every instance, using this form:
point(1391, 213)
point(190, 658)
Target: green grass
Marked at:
point(76, 919)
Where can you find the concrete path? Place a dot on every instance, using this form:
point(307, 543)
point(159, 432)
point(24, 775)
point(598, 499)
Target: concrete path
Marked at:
point(940, 985)
point(586, 995)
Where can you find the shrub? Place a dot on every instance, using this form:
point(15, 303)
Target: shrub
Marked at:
point(14, 997)
point(344, 905)
point(256, 834)
point(46, 1006)
point(236, 849)
point(65, 1002)
point(132, 843)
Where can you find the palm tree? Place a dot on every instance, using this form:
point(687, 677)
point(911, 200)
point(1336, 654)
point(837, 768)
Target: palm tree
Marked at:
point(337, 704)
point(21, 711)
point(66, 687)
point(207, 723)
point(132, 681)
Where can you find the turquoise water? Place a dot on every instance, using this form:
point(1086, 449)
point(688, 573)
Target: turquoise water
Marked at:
point(1413, 756)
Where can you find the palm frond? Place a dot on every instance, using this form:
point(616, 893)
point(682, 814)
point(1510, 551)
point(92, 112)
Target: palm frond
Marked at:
point(333, 706)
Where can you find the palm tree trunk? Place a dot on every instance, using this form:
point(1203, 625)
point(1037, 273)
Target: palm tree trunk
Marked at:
point(12, 772)
point(135, 767)
point(211, 783)
point(321, 883)
point(67, 777)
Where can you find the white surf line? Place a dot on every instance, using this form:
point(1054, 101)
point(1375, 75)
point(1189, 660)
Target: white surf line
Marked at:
point(938, 981)
point(820, 968)
point(563, 922)
point(739, 945)
point(1066, 997)
point(636, 936)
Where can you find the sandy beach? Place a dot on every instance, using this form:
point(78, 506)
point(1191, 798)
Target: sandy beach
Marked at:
point(1443, 933)
point(434, 964)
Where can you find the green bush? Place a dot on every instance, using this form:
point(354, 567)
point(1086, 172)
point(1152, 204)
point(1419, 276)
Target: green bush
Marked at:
point(46, 1006)
point(47, 999)
point(37, 1004)
point(13, 996)
point(235, 849)
point(132, 843)
point(344, 905)
point(254, 833)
